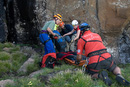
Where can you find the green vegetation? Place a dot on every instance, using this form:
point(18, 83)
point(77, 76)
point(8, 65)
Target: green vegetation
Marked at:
point(12, 58)
point(69, 79)
point(27, 82)
point(65, 78)
point(4, 56)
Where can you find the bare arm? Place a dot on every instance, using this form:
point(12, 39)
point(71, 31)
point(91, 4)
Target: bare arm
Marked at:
point(69, 33)
point(50, 31)
point(78, 33)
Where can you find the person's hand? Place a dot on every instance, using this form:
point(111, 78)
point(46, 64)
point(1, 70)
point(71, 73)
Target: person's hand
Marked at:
point(74, 39)
point(63, 35)
point(55, 36)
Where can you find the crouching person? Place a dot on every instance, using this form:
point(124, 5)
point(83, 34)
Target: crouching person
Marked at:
point(47, 30)
point(74, 37)
point(99, 58)
point(66, 28)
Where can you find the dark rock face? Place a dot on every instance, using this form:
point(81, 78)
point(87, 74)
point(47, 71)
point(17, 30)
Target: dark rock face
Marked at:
point(2, 22)
point(21, 21)
point(10, 17)
point(25, 18)
point(28, 21)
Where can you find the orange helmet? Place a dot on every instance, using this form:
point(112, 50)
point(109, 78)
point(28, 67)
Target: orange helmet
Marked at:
point(58, 16)
point(62, 23)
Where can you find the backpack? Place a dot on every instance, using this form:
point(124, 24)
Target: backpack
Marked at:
point(48, 60)
point(60, 43)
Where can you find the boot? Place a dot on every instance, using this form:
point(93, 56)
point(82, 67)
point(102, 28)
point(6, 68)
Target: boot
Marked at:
point(105, 78)
point(120, 79)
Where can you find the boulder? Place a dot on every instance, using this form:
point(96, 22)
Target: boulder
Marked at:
point(3, 83)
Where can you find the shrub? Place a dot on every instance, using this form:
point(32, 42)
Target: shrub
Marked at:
point(4, 67)
point(1, 46)
point(4, 56)
point(8, 45)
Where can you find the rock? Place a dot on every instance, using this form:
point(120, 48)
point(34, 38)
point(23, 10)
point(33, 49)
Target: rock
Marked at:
point(23, 68)
point(3, 83)
point(2, 22)
point(28, 51)
point(106, 17)
point(35, 73)
point(6, 49)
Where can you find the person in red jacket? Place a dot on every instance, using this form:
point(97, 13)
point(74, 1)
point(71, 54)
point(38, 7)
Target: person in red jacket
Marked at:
point(99, 59)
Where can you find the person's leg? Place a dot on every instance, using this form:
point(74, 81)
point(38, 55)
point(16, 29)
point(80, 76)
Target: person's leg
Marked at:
point(67, 47)
point(95, 76)
point(103, 76)
point(117, 70)
point(97, 68)
point(50, 47)
point(68, 39)
point(120, 79)
point(72, 44)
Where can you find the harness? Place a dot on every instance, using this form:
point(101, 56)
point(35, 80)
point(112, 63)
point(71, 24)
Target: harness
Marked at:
point(44, 31)
point(46, 41)
point(90, 41)
point(98, 52)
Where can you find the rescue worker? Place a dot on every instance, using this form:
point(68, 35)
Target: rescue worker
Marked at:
point(99, 58)
point(48, 30)
point(75, 36)
point(65, 29)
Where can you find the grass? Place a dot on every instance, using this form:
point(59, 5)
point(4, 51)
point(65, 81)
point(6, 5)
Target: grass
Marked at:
point(35, 66)
point(66, 78)
point(11, 58)
point(27, 82)
point(4, 56)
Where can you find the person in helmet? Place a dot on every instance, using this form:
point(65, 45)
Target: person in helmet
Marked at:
point(99, 59)
point(47, 30)
point(66, 28)
point(75, 36)
point(76, 28)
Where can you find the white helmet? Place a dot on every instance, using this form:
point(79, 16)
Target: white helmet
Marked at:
point(74, 22)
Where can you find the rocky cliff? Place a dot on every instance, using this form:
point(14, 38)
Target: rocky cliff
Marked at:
point(109, 18)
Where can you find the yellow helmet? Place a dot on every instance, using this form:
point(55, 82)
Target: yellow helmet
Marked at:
point(58, 16)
